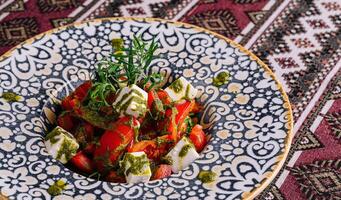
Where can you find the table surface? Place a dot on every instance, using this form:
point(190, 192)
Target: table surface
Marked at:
point(300, 40)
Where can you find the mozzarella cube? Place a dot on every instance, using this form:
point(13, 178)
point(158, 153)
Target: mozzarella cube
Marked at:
point(181, 89)
point(182, 155)
point(131, 100)
point(61, 145)
point(136, 167)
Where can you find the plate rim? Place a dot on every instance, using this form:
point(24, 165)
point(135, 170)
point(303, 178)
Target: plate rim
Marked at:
point(281, 158)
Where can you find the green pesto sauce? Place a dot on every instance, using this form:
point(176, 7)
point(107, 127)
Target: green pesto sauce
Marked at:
point(207, 176)
point(167, 160)
point(117, 43)
point(176, 86)
point(52, 135)
point(187, 92)
point(189, 122)
point(221, 79)
point(10, 97)
point(160, 141)
point(136, 133)
point(137, 164)
point(68, 149)
point(135, 129)
point(184, 150)
point(119, 104)
point(157, 109)
point(96, 119)
point(174, 113)
point(57, 188)
point(121, 147)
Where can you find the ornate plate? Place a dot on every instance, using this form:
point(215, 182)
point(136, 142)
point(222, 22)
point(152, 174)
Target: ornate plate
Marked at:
point(249, 118)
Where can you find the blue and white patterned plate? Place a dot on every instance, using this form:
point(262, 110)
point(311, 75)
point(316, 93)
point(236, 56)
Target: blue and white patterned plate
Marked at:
point(249, 118)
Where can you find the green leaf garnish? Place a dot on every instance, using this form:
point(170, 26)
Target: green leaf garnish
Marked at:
point(126, 66)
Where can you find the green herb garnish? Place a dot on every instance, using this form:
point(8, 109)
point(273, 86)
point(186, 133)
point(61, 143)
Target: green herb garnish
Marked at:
point(188, 121)
point(221, 79)
point(57, 188)
point(207, 176)
point(126, 66)
point(10, 97)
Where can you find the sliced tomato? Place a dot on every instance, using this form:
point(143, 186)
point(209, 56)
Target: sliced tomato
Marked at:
point(82, 90)
point(73, 100)
point(155, 105)
point(89, 130)
point(69, 103)
point(162, 171)
point(84, 133)
point(151, 98)
point(113, 142)
point(164, 97)
point(198, 138)
point(82, 162)
point(66, 121)
point(90, 148)
point(114, 177)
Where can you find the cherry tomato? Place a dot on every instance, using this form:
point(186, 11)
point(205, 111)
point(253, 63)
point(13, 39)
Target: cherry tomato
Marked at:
point(114, 177)
point(66, 121)
point(164, 97)
point(114, 142)
point(151, 98)
point(70, 102)
point(162, 171)
point(82, 162)
point(90, 148)
point(82, 90)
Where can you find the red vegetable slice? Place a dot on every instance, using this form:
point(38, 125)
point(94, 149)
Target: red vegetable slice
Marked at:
point(162, 171)
point(175, 120)
point(155, 105)
point(114, 177)
point(198, 138)
point(66, 121)
point(113, 142)
point(164, 97)
point(151, 98)
point(82, 91)
point(90, 149)
point(82, 162)
point(73, 100)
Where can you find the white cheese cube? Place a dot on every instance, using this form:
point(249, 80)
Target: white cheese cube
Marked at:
point(136, 167)
point(181, 89)
point(182, 155)
point(61, 145)
point(131, 100)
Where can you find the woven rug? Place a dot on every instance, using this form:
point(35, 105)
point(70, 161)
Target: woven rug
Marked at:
point(300, 40)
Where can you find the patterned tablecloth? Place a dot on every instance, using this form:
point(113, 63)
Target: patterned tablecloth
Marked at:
point(300, 40)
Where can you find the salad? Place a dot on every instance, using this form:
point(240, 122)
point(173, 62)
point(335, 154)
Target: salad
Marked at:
point(123, 126)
